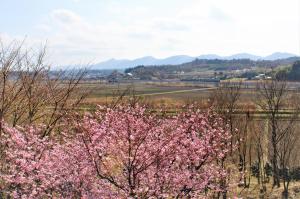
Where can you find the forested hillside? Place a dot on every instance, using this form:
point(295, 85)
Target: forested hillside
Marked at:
point(209, 65)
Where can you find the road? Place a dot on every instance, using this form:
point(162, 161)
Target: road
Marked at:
point(178, 91)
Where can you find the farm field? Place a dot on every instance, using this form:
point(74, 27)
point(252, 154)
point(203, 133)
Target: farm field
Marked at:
point(160, 93)
point(172, 92)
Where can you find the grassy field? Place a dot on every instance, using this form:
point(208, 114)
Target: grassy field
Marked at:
point(170, 93)
point(253, 191)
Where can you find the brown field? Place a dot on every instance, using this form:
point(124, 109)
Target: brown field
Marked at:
point(168, 94)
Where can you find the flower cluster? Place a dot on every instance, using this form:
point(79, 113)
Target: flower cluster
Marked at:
point(125, 152)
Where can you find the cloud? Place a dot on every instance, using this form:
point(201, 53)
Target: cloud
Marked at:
point(65, 16)
point(218, 14)
point(133, 32)
point(43, 28)
point(193, 27)
point(170, 25)
point(73, 35)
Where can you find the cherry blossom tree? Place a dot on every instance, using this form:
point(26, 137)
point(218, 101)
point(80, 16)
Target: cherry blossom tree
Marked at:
point(39, 167)
point(124, 152)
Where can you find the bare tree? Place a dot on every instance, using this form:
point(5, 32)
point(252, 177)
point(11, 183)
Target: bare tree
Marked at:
point(10, 80)
point(225, 101)
point(31, 93)
point(288, 145)
point(272, 98)
point(245, 139)
point(260, 142)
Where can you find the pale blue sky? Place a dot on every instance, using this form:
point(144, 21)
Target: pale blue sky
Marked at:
point(96, 30)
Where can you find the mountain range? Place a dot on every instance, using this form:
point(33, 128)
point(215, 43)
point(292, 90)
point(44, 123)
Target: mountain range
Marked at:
point(180, 59)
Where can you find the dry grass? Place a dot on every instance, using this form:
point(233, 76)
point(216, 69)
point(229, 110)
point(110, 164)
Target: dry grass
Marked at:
point(253, 191)
point(168, 94)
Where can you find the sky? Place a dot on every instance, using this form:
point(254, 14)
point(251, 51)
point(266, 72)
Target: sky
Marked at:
point(79, 31)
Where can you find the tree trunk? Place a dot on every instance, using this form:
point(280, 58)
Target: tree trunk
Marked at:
point(276, 181)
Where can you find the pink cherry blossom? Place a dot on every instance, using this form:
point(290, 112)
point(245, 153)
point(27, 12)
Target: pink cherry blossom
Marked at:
point(125, 152)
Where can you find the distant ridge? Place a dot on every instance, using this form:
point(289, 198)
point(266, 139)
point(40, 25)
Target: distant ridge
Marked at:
point(279, 55)
point(180, 59)
point(209, 56)
point(244, 56)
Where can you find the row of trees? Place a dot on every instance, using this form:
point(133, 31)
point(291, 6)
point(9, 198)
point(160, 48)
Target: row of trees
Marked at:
point(291, 73)
point(266, 144)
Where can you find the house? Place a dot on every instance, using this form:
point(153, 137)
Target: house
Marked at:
point(262, 76)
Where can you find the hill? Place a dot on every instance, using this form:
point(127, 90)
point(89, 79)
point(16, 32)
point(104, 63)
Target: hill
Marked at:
point(181, 59)
point(200, 67)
